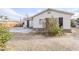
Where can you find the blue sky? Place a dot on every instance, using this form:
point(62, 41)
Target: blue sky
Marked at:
point(18, 13)
point(28, 11)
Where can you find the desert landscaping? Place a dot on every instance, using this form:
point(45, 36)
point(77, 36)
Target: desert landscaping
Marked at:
point(48, 30)
point(37, 42)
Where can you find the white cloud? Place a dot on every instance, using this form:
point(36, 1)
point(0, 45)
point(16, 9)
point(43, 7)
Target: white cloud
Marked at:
point(37, 11)
point(9, 12)
point(41, 9)
point(74, 10)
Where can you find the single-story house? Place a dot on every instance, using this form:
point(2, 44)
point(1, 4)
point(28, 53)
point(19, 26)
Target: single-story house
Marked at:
point(36, 21)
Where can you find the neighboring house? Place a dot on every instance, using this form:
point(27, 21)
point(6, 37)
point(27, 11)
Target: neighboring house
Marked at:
point(77, 23)
point(36, 22)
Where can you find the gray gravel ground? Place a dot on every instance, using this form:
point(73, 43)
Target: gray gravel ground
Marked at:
point(33, 42)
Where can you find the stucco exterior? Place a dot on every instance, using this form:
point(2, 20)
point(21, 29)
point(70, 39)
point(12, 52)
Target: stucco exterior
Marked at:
point(66, 18)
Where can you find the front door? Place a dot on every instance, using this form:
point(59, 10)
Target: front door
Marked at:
point(60, 22)
point(27, 23)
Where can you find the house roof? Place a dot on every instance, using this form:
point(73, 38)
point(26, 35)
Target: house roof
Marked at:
point(49, 9)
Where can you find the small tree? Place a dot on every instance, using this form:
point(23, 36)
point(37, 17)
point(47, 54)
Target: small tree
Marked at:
point(52, 26)
point(73, 23)
point(4, 37)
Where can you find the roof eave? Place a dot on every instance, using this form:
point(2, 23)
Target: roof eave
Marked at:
point(53, 10)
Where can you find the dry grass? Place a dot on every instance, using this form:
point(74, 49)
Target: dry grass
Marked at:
point(32, 42)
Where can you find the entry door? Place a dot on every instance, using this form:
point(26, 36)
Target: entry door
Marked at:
point(27, 23)
point(60, 21)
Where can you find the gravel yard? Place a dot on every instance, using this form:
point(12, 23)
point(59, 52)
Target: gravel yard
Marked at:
point(33, 42)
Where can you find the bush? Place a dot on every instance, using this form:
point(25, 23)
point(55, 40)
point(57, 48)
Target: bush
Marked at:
point(4, 37)
point(73, 23)
point(52, 27)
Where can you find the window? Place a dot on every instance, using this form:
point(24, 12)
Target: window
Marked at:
point(60, 21)
point(40, 21)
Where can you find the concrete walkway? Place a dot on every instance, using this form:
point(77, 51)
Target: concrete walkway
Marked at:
point(20, 30)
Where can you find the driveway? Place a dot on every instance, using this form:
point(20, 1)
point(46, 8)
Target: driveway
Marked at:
point(20, 30)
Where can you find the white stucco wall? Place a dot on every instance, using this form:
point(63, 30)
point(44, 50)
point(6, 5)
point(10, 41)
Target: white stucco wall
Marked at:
point(66, 19)
point(31, 23)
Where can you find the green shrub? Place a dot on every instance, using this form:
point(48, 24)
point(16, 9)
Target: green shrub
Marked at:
point(52, 27)
point(4, 36)
point(73, 23)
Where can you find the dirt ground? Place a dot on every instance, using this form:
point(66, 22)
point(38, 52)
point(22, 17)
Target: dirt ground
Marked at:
point(34, 42)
